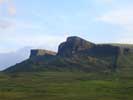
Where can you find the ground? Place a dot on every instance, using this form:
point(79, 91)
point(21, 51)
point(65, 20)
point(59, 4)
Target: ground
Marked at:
point(66, 86)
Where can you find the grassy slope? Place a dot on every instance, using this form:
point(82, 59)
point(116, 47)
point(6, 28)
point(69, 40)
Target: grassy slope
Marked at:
point(70, 85)
point(66, 86)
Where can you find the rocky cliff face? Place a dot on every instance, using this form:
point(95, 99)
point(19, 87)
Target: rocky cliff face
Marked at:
point(40, 52)
point(73, 45)
point(103, 50)
point(79, 46)
point(80, 55)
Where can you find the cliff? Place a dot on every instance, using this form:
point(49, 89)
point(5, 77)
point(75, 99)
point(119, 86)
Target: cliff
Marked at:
point(73, 45)
point(77, 54)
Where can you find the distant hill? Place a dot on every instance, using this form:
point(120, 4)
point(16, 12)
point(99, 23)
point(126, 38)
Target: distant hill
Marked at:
point(77, 54)
point(11, 58)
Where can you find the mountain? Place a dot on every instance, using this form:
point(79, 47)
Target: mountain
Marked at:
point(11, 58)
point(77, 54)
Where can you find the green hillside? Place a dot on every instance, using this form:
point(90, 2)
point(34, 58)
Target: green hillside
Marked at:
point(80, 70)
point(66, 86)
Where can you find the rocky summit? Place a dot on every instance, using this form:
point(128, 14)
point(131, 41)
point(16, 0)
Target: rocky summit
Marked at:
point(77, 54)
point(40, 52)
point(73, 45)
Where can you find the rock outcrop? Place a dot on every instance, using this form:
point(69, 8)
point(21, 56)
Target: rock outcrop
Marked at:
point(103, 50)
point(41, 52)
point(77, 54)
point(73, 45)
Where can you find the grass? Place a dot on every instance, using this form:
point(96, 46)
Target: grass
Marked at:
point(65, 86)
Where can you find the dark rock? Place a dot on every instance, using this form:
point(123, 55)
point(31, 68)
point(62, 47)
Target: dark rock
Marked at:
point(73, 45)
point(104, 50)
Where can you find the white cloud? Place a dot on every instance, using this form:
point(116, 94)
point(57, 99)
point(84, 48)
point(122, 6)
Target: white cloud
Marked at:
point(104, 1)
point(1, 1)
point(17, 34)
point(4, 24)
point(35, 40)
point(7, 23)
point(121, 17)
point(10, 25)
point(11, 9)
point(124, 38)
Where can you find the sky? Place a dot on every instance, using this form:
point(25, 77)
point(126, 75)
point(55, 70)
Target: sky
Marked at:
point(46, 23)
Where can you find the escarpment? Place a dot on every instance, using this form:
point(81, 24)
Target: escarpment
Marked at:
point(77, 54)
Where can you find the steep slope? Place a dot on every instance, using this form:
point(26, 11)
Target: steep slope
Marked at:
point(77, 54)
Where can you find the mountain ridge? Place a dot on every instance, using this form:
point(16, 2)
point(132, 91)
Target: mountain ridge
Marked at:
point(77, 54)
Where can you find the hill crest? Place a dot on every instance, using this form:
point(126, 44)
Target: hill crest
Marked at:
point(77, 54)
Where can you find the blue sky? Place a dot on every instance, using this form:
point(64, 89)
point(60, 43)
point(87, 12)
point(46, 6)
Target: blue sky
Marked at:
point(46, 23)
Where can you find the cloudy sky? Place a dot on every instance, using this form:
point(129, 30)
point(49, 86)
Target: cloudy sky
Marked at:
point(45, 23)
